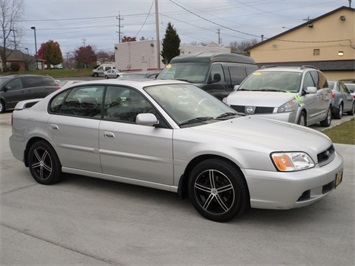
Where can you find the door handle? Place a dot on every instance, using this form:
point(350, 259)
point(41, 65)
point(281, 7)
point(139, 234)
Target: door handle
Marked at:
point(109, 135)
point(54, 127)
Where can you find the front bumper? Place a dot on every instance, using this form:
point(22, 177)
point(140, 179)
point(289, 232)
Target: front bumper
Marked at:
point(281, 190)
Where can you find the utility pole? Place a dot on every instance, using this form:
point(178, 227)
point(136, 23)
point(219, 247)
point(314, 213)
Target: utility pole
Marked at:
point(119, 18)
point(219, 36)
point(84, 42)
point(157, 33)
point(350, 3)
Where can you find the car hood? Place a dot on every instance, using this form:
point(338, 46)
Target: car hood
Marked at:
point(259, 98)
point(266, 135)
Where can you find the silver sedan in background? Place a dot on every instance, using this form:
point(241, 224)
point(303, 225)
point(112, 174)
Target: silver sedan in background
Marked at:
point(173, 136)
point(342, 100)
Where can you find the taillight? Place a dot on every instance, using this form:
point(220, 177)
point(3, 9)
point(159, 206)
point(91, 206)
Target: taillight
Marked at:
point(58, 87)
point(333, 94)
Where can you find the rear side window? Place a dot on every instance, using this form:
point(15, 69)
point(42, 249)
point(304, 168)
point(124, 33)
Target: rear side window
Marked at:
point(37, 81)
point(80, 101)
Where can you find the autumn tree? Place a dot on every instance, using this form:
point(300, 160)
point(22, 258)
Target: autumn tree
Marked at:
point(129, 39)
point(51, 54)
point(171, 44)
point(11, 13)
point(85, 56)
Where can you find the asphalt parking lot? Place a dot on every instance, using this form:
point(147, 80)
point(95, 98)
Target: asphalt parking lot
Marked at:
point(86, 221)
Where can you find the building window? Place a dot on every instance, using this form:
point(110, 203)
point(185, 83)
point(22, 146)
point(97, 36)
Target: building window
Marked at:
point(316, 51)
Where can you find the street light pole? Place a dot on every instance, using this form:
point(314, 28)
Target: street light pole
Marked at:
point(34, 29)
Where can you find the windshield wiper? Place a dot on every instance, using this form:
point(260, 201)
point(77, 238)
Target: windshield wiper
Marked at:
point(196, 120)
point(227, 115)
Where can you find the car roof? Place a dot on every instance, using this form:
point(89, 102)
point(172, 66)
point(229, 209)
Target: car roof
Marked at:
point(203, 57)
point(299, 69)
point(139, 83)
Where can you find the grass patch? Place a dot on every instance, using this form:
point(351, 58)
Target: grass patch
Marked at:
point(344, 133)
point(57, 73)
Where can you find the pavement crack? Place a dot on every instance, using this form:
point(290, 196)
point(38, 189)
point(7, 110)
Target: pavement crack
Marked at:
point(16, 189)
point(58, 244)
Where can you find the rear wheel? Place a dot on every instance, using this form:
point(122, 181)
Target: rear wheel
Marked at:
point(339, 113)
point(43, 163)
point(218, 190)
point(352, 111)
point(328, 119)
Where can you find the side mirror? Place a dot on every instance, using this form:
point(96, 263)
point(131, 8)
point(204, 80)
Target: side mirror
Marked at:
point(236, 87)
point(5, 89)
point(147, 119)
point(311, 90)
point(216, 78)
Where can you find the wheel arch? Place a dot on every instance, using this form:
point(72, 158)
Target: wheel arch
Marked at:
point(28, 146)
point(183, 182)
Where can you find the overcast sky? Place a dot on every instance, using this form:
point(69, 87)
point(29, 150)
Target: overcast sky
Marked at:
point(74, 23)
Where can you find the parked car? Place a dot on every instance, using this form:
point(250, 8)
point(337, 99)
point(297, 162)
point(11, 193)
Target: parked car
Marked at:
point(350, 84)
point(298, 95)
point(216, 73)
point(100, 70)
point(15, 88)
point(343, 101)
point(173, 136)
point(112, 74)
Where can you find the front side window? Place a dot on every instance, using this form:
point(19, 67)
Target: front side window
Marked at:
point(217, 70)
point(124, 104)
point(308, 81)
point(14, 84)
point(80, 101)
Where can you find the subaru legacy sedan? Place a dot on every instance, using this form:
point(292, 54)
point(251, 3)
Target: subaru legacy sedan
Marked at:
point(173, 136)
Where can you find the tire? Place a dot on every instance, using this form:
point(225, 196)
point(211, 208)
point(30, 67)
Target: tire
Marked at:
point(302, 120)
point(106, 77)
point(339, 112)
point(352, 111)
point(95, 75)
point(44, 164)
point(328, 119)
point(217, 190)
point(2, 107)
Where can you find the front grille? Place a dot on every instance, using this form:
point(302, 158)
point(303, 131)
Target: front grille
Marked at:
point(264, 110)
point(255, 110)
point(326, 156)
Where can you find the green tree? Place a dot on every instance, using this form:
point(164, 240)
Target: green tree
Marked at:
point(171, 44)
point(50, 52)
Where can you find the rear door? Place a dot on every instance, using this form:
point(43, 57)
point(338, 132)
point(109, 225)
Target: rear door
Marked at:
point(347, 98)
point(74, 127)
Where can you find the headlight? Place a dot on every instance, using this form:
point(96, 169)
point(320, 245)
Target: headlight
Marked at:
point(288, 107)
point(292, 161)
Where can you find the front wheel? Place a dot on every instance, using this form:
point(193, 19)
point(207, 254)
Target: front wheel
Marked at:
point(2, 107)
point(328, 119)
point(43, 163)
point(302, 120)
point(218, 190)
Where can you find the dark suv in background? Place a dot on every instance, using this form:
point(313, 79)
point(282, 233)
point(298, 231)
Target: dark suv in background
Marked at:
point(216, 73)
point(15, 88)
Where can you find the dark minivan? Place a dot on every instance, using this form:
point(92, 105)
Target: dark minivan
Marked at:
point(16, 88)
point(216, 73)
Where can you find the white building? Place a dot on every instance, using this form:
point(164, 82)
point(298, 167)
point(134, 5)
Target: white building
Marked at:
point(142, 55)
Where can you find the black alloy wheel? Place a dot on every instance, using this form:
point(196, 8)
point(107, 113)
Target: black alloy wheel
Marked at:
point(218, 190)
point(43, 163)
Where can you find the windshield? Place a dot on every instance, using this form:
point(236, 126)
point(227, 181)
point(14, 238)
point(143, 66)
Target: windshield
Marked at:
point(188, 105)
point(190, 72)
point(283, 81)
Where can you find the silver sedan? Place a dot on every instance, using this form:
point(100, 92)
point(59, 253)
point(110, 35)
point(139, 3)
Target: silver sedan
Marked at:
point(173, 136)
